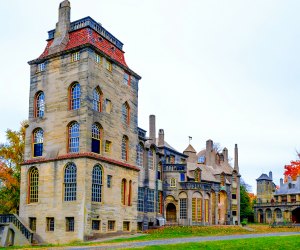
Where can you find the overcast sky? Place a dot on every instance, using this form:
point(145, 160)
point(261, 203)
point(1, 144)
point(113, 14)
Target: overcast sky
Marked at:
point(221, 70)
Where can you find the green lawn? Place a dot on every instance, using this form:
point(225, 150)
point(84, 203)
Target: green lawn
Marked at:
point(274, 243)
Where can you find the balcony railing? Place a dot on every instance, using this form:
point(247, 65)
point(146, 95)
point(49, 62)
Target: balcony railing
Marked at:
point(195, 185)
point(11, 218)
point(174, 167)
point(277, 204)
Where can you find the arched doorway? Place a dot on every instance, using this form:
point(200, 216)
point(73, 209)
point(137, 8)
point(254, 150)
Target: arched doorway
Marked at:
point(269, 217)
point(260, 216)
point(171, 212)
point(296, 215)
point(222, 207)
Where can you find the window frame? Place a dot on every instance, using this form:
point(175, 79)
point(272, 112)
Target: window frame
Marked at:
point(73, 137)
point(33, 187)
point(97, 134)
point(70, 182)
point(74, 96)
point(37, 142)
point(70, 224)
point(126, 114)
point(173, 182)
point(75, 57)
point(125, 148)
point(39, 104)
point(97, 183)
point(50, 224)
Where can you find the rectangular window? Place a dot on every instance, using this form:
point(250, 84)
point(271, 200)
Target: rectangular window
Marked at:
point(159, 202)
point(182, 177)
point(233, 213)
point(41, 67)
point(172, 159)
point(108, 65)
point(141, 194)
point(173, 183)
point(107, 106)
point(98, 59)
point(111, 225)
point(70, 224)
point(183, 208)
point(109, 180)
point(196, 209)
point(150, 203)
point(234, 196)
point(75, 57)
point(107, 148)
point(50, 224)
point(32, 223)
point(96, 225)
point(126, 79)
point(126, 226)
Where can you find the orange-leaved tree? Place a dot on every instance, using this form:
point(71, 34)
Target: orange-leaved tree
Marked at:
point(11, 157)
point(292, 170)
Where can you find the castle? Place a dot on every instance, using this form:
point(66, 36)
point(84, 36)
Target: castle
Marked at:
point(89, 169)
point(277, 204)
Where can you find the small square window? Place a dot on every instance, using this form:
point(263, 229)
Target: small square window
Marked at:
point(41, 67)
point(108, 65)
point(50, 224)
point(233, 213)
point(233, 196)
point(96, 225)
point(107, 148)
point(109, 180)
point(108, 106)
point(32, 223)
point(98, 59)
point(173, 182)
point(75, 57)
point(126, 226)
point(111, 225)
point(126, 79)
point(70, 224)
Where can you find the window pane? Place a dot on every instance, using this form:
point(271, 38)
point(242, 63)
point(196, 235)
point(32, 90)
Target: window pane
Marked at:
point(74, 137)
point(70, 182)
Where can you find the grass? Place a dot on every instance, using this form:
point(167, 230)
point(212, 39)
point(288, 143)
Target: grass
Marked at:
point(274, 243)
point(181, 231)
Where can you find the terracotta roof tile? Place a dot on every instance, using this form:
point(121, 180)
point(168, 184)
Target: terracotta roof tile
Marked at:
point(89, 36)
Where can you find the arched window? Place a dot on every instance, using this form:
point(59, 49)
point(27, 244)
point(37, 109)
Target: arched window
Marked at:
point(75, 94)
point(140, 155)
point(96, 138)
point(33, 175)
point(123, 191)
point(70, 182)
point(130, 193)
point(197, 175)
point(125, 148)
point(38, 139)
point(39, 104)
point(126, 113)
point(73, 130)
point(97, 184)
point(151, 159)
point(278, 213)
point(97, 99)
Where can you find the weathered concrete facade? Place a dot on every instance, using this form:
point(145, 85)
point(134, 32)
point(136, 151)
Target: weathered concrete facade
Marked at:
point(54, 80)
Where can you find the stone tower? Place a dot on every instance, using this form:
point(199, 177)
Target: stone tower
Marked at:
point(79, 178)
point(265, 188)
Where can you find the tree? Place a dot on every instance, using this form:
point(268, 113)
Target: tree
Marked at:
point(11, 157)
point(292, 170)
point(246, 205)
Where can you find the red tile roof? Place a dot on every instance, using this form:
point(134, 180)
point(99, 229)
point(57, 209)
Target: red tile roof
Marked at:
point(89, 36)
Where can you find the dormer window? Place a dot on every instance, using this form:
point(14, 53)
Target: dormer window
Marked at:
point(197, 175)
point(201, 159)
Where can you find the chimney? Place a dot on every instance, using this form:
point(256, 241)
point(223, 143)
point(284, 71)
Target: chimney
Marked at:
point(61, 36)
point(209, 149)
point(236, 158)
point(281, 182)
point(225, 154)
point(271, 175)
point(152, 129)
point(161, 137)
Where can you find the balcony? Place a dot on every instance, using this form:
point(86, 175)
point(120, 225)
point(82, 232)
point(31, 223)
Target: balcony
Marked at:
point(195, 185)
point(277, 204)
point(174, 167)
